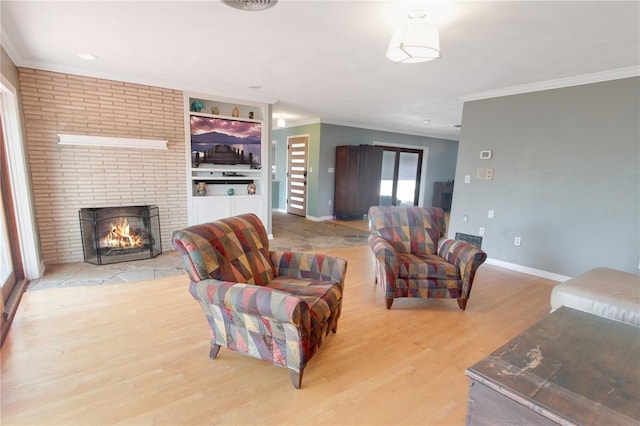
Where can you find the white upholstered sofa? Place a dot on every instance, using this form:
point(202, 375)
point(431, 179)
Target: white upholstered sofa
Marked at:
point(601, 291)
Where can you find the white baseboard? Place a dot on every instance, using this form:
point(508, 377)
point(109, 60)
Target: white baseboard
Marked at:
point(527, 270)
point(319, 219)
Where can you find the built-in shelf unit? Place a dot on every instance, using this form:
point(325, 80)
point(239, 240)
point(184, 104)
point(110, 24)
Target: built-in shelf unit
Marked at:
point(228, 146)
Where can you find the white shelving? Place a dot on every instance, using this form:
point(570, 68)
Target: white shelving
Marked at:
point(218, 179)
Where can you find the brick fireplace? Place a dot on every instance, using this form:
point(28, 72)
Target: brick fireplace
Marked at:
point(67, 178)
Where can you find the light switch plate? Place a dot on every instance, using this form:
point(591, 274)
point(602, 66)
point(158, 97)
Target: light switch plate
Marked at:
point(484, 174)
point(486, 154)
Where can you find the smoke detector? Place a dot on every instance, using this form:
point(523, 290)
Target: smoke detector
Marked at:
point(250, 5)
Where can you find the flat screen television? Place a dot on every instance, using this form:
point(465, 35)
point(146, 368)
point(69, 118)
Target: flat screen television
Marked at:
point(225, 141)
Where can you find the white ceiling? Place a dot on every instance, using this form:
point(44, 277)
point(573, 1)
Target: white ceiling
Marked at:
point(325, 60)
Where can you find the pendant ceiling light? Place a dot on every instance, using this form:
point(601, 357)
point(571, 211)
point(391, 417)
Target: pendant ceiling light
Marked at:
point(250, 5)
point(415, 41)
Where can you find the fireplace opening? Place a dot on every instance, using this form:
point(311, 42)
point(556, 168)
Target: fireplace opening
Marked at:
point(120, 234)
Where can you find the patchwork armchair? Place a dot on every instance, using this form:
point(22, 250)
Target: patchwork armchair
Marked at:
point(415, 259)
point(275, 306)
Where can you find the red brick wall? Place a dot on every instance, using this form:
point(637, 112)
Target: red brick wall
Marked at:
point(66, 178)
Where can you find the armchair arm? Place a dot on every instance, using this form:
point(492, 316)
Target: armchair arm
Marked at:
point(466, 257)
point(310, 266)
point(387, 268)
point(253, 300)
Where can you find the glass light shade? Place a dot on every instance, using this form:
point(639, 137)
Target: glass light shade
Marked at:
point(281, 123)
point(414, 42)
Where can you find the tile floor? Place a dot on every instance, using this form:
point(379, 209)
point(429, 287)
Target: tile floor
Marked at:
point(290, 233)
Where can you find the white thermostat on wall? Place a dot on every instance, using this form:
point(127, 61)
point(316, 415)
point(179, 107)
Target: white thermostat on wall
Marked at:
point(486, 154)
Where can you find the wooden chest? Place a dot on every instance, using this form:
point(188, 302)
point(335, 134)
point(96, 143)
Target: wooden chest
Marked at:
point(570, 368)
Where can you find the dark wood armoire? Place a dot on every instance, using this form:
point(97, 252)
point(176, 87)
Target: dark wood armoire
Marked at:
point(357, 186)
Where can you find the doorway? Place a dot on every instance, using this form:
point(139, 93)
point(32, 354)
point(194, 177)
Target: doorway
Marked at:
point(297, 164)
point(401, 176)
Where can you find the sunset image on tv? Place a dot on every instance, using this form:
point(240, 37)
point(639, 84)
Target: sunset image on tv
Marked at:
point(224, 141)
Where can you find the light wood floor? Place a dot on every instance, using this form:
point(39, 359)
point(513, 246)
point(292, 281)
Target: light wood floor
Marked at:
point(136, 353)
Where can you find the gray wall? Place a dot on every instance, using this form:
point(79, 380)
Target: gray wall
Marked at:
point(280, 136)
point(566, 177)
point(441, 161)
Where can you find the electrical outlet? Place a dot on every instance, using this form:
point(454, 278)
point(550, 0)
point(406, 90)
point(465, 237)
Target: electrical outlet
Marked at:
point(465, 218)
point(467, 179)
point(517, 241)
point(490, 215)
point(481, 231)
point(329, 202)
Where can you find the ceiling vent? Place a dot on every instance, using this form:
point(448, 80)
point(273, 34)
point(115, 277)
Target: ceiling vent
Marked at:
point(250, 5)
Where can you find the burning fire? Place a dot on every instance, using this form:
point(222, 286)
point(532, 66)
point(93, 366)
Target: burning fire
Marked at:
point(120, 237)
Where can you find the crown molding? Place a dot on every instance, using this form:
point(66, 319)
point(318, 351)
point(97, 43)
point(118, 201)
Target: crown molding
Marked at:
point(290, 124)
point(453, 134)
point(554, 84)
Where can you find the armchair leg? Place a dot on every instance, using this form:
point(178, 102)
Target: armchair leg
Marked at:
point(296, 378)
point(213, 353)
point(462, 303)
point(389, 301)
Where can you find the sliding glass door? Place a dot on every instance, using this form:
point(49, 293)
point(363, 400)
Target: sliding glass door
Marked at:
point(12, 277)
point(400, 178)
point(7, 269)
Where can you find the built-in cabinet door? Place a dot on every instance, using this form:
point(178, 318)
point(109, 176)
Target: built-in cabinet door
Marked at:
point(247, 204)
point(208, 209)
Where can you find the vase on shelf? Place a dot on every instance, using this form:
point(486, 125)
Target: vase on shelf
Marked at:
point(251, 189)
point(235, 112)
point(202, 188)
point(196, 106)
point(230, 191)
point(215, 110)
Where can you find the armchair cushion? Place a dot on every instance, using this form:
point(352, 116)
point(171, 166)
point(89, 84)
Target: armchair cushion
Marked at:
point(418, 266)
point(322, 297)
